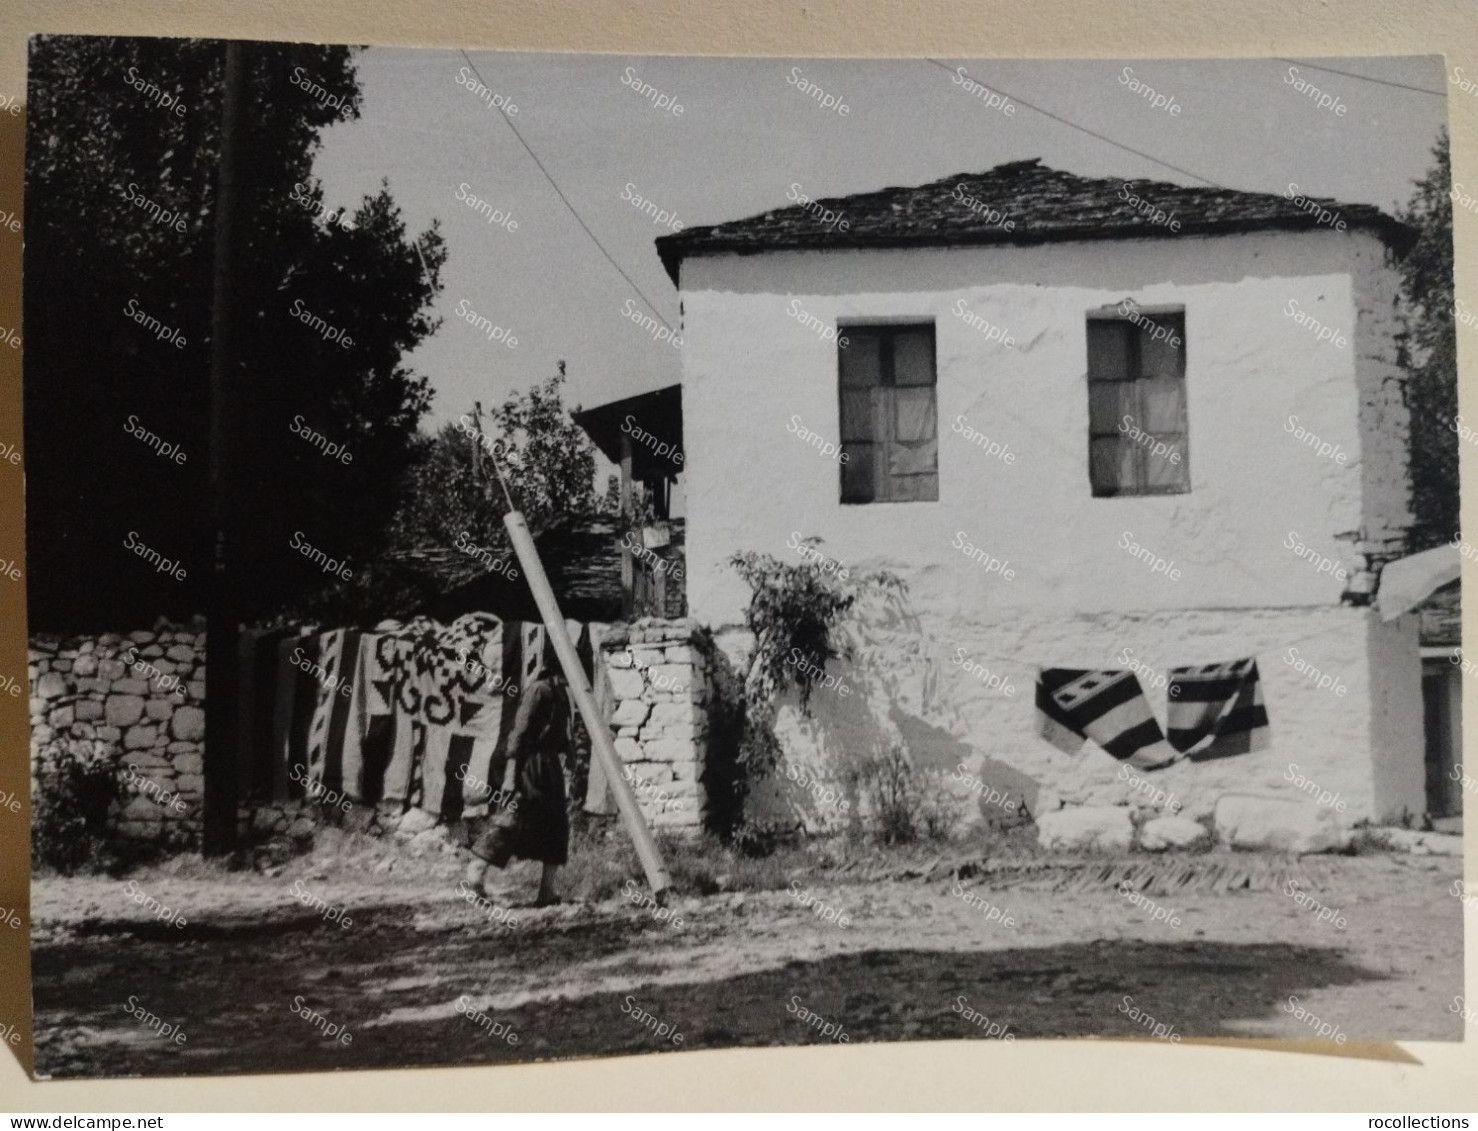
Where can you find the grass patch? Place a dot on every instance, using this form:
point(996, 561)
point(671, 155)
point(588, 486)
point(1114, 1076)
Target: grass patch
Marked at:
point(603, 858)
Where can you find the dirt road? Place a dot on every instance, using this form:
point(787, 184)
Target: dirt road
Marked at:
point(422, 976)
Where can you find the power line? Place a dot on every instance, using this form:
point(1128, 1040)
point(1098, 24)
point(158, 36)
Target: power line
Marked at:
point(553, 184)
point(1362, 78)
point(1094, 133)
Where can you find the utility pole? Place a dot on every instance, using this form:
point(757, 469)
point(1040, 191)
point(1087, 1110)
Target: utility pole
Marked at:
point(222, 761)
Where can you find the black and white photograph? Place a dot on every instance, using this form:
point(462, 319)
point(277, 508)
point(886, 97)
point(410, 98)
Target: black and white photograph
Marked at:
point(540, 556)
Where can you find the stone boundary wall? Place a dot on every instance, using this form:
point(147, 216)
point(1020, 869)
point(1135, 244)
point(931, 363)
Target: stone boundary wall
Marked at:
point(141, 697)
point(659, 674)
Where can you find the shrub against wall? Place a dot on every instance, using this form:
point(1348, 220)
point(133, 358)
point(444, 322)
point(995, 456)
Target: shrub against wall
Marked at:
point(72, 806)
point(794, 617)
point(131, 704)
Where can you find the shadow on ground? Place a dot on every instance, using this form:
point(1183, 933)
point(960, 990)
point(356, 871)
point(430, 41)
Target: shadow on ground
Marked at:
point(392, 982)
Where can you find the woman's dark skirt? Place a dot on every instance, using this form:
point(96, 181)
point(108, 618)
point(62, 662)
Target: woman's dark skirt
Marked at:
point(536, 826)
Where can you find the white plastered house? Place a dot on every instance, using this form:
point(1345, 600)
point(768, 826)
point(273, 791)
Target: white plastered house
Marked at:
point(1289, 494)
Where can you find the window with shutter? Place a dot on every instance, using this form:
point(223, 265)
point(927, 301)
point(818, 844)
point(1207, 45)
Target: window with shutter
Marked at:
point(887, 386)
point(1137, 439)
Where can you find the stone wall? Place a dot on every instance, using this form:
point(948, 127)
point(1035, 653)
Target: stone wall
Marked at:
point(658, 675)
point(1384, 418)
point(141, 696)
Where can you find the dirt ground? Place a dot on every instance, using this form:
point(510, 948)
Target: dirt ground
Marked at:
point(744, 968)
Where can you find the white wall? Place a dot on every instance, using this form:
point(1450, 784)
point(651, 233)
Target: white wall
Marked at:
point(1358, 736)
point(1397, 718)
point(749, 368)
point(1077, 599)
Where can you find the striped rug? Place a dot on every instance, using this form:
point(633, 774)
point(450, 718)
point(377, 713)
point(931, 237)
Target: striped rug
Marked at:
point(1107, 706)
point(413, 713)
point(1216, 710)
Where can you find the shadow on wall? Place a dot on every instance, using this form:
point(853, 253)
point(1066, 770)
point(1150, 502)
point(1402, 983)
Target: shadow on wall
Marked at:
point(843, 758)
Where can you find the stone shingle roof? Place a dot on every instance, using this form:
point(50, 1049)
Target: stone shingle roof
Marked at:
point(1041, 205)
point(582, 558)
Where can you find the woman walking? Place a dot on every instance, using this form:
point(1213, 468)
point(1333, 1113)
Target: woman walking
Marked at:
point(536, 823)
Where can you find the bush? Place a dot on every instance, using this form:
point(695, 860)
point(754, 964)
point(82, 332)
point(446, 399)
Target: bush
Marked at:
point(794, 610)
point(907, 804)
point(77, 785)
point(742, 750)
point(756, 840)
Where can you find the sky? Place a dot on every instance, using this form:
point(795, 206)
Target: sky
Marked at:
point(748, 131)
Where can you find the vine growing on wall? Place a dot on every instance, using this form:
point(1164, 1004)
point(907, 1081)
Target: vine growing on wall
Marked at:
point(794, 612)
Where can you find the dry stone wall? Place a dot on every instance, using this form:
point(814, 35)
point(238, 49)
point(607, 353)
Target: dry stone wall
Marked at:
point(139, 698)
point(659, 674)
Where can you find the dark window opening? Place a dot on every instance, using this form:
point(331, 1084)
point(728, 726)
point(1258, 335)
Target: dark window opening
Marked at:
point(887, 385)
point(1137, 431)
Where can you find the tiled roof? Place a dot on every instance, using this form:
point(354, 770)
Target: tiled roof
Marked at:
point(1022, 202)
point(582, 558)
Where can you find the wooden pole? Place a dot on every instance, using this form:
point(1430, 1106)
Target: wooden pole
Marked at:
point(628, 570)
point(597, 791)
point(602, 748)
point(595, 723)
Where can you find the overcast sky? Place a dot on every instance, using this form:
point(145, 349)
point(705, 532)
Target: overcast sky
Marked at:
point(746, 134)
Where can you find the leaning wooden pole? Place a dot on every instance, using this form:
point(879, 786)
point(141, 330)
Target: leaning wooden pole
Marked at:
point(600, 735)
point(554, 623)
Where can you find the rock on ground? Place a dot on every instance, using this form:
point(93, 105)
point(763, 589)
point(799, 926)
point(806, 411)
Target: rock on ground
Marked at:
point(1272, 824)
point(1089, 828)
point(1161, 833)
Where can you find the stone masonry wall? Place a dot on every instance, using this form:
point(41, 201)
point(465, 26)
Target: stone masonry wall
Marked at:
point(659, 674)
point(142, 697)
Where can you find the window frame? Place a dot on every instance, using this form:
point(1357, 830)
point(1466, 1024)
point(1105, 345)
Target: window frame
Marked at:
point(1137, 382)
point(887, 329)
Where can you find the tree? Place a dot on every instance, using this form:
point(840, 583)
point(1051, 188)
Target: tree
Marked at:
point(545, 457)
point(449, 497)
point(1431, 354)
point(123, 152)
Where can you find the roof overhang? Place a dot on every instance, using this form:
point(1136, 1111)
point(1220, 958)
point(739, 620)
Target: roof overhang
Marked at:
point(673, 249)
point(653, 422)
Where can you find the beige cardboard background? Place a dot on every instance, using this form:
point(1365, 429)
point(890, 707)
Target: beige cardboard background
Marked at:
point(979, 1075)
